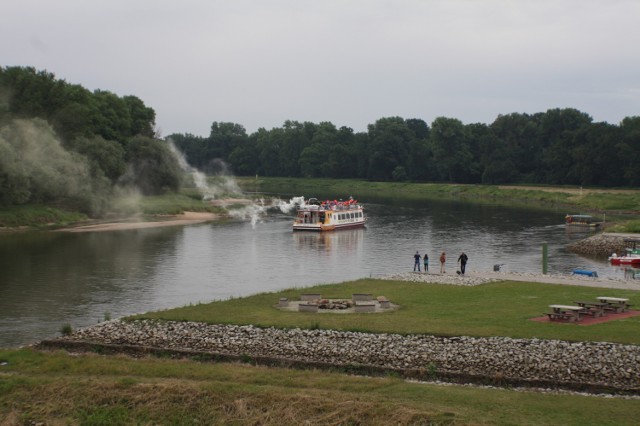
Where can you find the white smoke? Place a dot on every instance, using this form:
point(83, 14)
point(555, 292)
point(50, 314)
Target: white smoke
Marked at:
point(225, 183)
point(260, 208)
point(289, 206)
point(223, 190)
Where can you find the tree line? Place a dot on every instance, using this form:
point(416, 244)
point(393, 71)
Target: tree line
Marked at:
point(63, 144)
point(556, 147)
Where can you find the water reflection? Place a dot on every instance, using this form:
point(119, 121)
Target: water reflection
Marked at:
point(50, 278)
point(347, 240)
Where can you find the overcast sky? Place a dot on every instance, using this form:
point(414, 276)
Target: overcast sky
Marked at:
point(351, 62)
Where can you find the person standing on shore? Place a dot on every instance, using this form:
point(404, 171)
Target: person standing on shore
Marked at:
point(426, 262)
point(416, 264)
point(443, 259)
point(463, 262)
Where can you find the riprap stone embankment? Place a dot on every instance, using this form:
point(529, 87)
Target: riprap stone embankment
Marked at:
point(602, 244)
point(551, 363)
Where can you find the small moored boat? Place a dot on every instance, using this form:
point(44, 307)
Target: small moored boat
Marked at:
point(328, 215)
point(580, 220)
point(632, 256)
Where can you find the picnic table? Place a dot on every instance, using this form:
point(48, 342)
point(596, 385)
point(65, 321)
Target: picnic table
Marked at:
point(617, 304)
point(592, 308)
point(568, 312)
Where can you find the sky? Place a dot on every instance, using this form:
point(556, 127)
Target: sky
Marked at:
point(259, 63)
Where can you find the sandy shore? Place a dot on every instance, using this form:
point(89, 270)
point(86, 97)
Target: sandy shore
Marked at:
point(186, 218)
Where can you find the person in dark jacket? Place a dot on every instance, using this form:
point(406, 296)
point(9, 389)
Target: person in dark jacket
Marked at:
point(416, 264)
point(462, 259)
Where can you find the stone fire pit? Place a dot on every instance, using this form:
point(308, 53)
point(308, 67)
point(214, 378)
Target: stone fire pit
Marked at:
point(359, 303)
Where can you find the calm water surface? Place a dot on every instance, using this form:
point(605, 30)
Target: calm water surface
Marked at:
point(51, 279)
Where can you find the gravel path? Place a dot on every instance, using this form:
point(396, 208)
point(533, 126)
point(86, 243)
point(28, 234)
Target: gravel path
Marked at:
point(476, 278)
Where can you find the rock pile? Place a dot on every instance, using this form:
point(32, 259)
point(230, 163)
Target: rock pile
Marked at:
point(550, 362)
point(602, 245)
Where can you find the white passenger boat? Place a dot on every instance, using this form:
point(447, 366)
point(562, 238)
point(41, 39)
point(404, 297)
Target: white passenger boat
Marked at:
point(315, 215)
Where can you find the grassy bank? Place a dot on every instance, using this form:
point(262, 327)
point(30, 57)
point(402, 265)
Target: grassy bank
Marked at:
point(37, 216)
point(619, 205)
point(494, 309)
point(45, 217)
point(59, 388)
point(599, 200)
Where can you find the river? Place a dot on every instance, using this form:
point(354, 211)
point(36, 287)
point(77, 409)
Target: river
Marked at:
point(49, 279)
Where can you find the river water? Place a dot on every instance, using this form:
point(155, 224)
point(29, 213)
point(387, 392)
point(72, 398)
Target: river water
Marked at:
point(49, 279)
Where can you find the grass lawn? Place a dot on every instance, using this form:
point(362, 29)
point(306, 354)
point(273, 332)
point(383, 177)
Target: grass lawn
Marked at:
point(61, 388)
point(494, 309)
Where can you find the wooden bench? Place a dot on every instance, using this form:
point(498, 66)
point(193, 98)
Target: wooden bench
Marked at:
point(616, 304)
point(560, 316)
point(592, 308)
point(570, 312)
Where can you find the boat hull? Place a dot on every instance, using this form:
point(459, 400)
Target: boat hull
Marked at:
point(316, 227)
point(625, 260)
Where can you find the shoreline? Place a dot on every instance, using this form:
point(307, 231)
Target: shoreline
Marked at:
point(474, 277)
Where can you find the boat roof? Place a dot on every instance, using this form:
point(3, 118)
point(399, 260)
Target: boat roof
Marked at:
point(579, 215)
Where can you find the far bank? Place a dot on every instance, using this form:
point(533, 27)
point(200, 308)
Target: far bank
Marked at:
point(619, 209)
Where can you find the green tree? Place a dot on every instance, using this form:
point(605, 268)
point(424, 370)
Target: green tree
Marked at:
point(558, 128)
point(106, 158)
point(313, 160)
point(141, 118)
point(223, 140)
point(521, 144)
point(152, 166)
point(629, 151)
point(268, 152)
point(451, 152)
point(244, 158)
point(110, 117)
point(292, 139)
point(420, 161)
point(389, 146)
